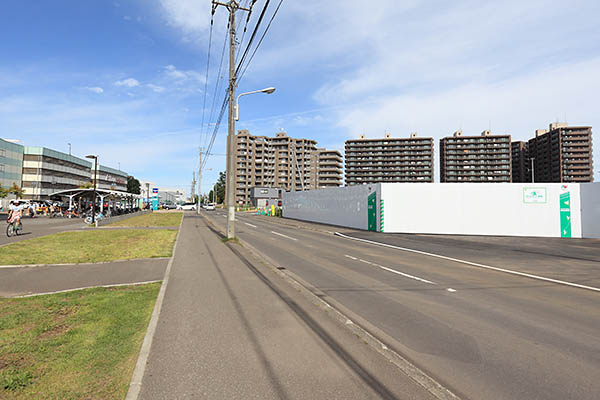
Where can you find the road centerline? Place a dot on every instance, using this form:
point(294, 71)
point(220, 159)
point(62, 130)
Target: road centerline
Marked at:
point(391, 270)
point(282, 235)
point(483, 266)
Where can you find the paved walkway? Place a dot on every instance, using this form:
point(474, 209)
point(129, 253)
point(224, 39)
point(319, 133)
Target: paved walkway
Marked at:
point(231, 329)
point(29, 280)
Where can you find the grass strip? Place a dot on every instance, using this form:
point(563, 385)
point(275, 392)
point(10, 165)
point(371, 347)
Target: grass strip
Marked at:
point(152, 219)
point(76, 345)
point(90, 246)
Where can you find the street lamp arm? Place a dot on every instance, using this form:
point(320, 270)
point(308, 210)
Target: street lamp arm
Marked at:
point(268, 90)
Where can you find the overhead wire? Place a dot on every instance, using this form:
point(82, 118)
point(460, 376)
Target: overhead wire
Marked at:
point(260, 41)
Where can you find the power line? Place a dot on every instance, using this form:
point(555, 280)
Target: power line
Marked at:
point(206, 78)
point(260, 41)
point(260, 18)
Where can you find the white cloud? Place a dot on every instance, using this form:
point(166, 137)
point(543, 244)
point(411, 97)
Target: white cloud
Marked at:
point(181, 75)
point(156, 88)
point(95, 89)
point(190, 16)
point(127, 18)
point(129, 82)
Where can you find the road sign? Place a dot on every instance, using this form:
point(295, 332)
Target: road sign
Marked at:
point(154, 190)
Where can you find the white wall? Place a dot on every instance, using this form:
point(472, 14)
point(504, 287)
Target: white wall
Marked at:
point(590, 210)
point(477, 209)
point(343, 206)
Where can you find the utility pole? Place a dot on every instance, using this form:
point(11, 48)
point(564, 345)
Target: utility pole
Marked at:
point(232, 6)
point(193, 191)
point(199, 183)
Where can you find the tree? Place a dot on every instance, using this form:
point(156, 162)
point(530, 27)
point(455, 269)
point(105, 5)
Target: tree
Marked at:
point(16, 190)
point(221, 187)
point(3, 192)
point(133, 185)
point(85, 185)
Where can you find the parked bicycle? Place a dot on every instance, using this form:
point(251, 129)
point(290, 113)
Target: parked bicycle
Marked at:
point(88, 219)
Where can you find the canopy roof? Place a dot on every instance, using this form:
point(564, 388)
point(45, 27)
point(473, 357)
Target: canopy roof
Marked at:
point(101, 192)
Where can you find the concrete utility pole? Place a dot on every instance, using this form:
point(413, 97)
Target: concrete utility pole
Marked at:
point(199, 183)
point(232, 6)
point(193, 192)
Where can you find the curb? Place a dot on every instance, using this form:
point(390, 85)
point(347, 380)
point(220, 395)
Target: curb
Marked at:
point(412, 371)
point(135, 385)
point(82, 264)
point(85, 287)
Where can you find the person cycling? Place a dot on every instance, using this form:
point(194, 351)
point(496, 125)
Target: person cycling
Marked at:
point(15, 213)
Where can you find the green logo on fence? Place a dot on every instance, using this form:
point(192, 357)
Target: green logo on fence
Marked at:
point(565, 215)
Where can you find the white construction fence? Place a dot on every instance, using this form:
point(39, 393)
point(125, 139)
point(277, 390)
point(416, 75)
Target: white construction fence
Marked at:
point(511, 209)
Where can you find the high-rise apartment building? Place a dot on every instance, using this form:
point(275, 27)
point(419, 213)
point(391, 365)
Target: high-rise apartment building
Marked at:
point(485, 158)
point(389, 160)
point(562, 154)
point(329, 168)
point(521, 164)
point(278, 162)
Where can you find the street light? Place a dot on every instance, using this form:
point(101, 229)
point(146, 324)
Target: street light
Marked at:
point(268, 90)
point(95, 158)
point(230, 180)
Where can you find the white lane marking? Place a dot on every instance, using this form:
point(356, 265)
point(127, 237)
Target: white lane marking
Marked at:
point(254, 226)
point(282, 235)
point(392, 270)
point(407, 275)
point(451, 290)
point(508, 271)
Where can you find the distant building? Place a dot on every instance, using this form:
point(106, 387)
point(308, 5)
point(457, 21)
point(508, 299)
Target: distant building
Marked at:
point(264, 196)
point(46, 171)
point(389, 160)
point(111, 178)
point(485, 158)
point(276, 162)
point(562, 154)
point(521, 165)
point(11, 164)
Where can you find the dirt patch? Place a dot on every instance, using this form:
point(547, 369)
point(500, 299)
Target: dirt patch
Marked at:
point(52, 333)
point(11, 360)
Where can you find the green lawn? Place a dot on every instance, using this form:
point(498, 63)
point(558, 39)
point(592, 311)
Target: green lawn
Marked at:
point(77, 345)
point(90, 246)
point(170, 218)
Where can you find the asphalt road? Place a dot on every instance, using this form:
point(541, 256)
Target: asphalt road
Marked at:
point(41, 226)
point(481, 333)
point(229, 328)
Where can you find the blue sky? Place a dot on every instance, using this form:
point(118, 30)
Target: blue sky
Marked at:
point(126, 79)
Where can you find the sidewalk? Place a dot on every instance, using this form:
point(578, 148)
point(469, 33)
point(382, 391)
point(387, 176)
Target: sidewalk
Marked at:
point(223, 333)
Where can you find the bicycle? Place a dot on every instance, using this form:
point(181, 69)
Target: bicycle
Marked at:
point(12, 229)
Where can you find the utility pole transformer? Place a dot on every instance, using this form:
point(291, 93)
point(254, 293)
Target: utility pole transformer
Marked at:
point(232, 6)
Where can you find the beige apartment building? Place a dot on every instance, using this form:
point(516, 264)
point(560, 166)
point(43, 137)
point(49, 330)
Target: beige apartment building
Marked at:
point(282, 162)
point(389, 160)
